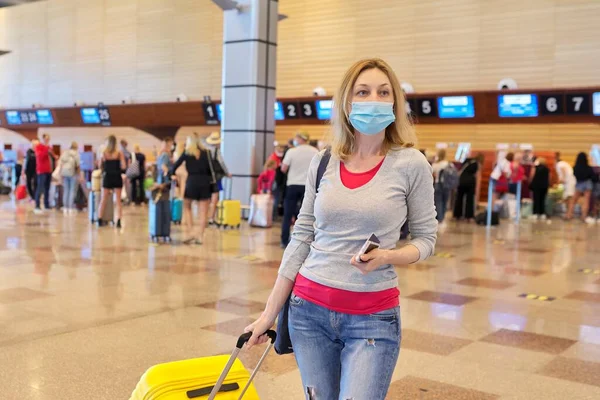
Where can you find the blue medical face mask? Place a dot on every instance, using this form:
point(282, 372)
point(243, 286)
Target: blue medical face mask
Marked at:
point(371, 117)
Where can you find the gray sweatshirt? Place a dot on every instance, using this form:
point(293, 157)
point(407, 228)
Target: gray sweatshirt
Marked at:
point(333, 225)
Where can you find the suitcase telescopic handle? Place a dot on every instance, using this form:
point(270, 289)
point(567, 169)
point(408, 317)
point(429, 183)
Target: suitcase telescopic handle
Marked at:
point(244, 338)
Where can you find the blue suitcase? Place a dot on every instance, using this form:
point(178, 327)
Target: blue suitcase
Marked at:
point(176, 211)
point(160, 220)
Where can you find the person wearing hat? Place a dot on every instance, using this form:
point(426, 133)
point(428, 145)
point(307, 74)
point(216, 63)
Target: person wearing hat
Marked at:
point(213, 143)
point(295, 164)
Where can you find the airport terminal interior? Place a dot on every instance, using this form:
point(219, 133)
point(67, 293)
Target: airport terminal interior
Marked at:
point(127, 126)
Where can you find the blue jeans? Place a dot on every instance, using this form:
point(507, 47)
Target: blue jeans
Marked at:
point(43, 187)
point(344, 356)
point(294, 194)
point(69, 191)
point(441, 201)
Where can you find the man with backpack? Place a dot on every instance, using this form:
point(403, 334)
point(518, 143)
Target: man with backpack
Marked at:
point(445, 177)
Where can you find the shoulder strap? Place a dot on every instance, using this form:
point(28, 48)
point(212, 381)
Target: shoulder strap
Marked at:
point(322, 168)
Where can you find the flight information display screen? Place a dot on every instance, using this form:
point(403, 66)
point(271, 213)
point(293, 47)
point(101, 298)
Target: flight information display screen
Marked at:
point(456, 107)
point(596, 103)
point(279, 111)
point(90, 115)
point(324, 109)
point(517, 105)
point(13, 118)
point(44, 117)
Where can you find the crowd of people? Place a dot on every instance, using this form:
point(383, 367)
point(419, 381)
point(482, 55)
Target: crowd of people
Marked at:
point(579, 184)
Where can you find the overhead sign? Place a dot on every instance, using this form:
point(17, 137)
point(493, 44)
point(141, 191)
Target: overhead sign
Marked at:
point(456, 107)
point(517, 105)
point(41, 117)
point(211, 115)
point(324, 109)
point(552, 104)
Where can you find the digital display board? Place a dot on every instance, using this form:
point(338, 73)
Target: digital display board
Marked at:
point(90, 115)
point(596, 103)
point(104, 115)
point(220, 111)
point(279, 111)
point(517, 105)
point(44, 117)
point(324, 109)
point(462, 152)
point(13, 118)
point(456, 107)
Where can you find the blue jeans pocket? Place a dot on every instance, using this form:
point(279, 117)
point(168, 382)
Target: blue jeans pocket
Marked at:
point(295, 300)
point(386, 315)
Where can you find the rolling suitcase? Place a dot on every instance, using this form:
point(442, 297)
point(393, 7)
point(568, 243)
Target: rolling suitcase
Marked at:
point(176, 206)
point(159, 219)
point(261, 210)
point(218, 377)
point(229, 212)
point(94, 205)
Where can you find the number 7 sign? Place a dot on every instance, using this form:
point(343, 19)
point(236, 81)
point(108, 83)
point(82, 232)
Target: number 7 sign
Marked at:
point(578, 103)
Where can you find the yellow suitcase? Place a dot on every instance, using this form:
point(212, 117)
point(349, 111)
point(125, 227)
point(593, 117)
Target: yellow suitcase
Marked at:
point(229, 214)
point(213, 378)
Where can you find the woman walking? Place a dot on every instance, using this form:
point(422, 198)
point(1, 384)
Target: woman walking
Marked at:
point(199, 186)
point(344, 315)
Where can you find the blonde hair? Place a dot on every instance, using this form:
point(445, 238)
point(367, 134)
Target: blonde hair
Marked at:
point(441, 154)
point(111, 145)
point(193, 145)
point(399, 133)
point(270, 164)
point(542, 161)
point(74, 146)
point(136, 148)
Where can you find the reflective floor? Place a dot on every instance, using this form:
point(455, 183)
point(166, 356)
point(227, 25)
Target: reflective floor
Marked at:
point(85, 311)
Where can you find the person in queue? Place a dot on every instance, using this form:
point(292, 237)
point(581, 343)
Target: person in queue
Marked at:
point(539, 184)
point(468, 188)
point(163, 160)
point(221, 171)
point(344, 315)
point(137, 183)
point(198, 186)
point(70, 167)
point(566, 178)
point(441, 194)
point(43, 166)
point(280, 178)
point(113, 164)
point(585, 176)
point(30, 169)
point(295, 164)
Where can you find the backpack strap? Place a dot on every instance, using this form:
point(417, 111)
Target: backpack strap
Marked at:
point(322, 168)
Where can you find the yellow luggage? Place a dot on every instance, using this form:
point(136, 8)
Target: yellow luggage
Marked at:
point(213, 378)
point(229, 214)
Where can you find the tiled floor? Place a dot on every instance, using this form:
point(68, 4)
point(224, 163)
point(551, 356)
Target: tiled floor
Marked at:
point(85, 311)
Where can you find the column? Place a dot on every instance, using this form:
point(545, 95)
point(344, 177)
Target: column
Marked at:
point(248, 92)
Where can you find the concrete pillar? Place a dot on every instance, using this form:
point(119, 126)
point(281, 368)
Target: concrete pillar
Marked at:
point(248, 93)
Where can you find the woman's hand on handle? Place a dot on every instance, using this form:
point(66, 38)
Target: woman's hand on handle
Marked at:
point(258, 329)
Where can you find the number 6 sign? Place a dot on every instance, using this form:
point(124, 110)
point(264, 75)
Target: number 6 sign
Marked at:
point(552, 104)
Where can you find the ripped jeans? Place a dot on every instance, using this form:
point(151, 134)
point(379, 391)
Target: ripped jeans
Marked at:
point(344, 356)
